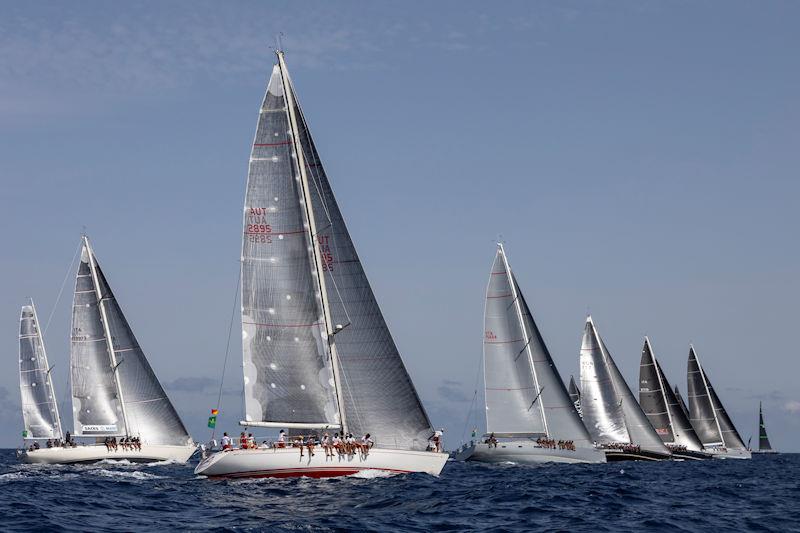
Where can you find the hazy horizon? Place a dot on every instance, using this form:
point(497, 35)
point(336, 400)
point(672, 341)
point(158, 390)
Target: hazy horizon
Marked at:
point(638, 159)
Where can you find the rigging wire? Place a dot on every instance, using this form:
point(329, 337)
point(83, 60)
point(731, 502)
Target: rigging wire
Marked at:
point(227, 349)
point(61, 291)
point(473, 403)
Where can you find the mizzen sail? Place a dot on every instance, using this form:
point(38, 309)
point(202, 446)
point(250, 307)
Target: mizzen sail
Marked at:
point(39, 406)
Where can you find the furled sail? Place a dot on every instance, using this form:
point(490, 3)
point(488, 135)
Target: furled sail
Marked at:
point(708, 416)
point(637, 426)
point(523, 386)
point(39, 406)
point(660, 404)
point(575, 395)
point(602, 408)
point(763, 440)
point(118, 368)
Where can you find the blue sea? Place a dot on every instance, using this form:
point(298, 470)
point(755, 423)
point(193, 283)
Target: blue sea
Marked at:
point(758, 495)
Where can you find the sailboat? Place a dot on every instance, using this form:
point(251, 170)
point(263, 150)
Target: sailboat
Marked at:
point(610, 411)
point(708, 416)
point(529, 413)
point(764, 447)
point(575, 395)
point(115, 393)
point(681, 403)
point(318, 355)
point(663, 409)
point(39, 406)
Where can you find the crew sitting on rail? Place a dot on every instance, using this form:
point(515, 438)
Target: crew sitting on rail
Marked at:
point(326, 445)
point(337, 443)
point(310, 441)
point(366, 444)
point(227, 442)
point(492, 440)
point(243, 440)
point(281, 439)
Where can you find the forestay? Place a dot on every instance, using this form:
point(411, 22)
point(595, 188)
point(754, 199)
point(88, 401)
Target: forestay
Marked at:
point(39, 406)
point(376, 389)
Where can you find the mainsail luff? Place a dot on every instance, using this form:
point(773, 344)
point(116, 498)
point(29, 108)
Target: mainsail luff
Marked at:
point(575, 395)
point(38, 400)
point(763, 439)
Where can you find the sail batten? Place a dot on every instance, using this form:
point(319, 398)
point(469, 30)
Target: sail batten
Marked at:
point(39, 406)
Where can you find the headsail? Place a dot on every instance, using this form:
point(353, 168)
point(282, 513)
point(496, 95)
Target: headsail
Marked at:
point(332, 309)
point(523, 386)
point(39, 405)
point(660, 404)
point(638, 427)
point(708, 416)
point(763, 440)
point(115, 368)
point(575, 395)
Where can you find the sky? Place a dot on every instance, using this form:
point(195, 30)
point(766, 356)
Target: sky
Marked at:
point(638, 159)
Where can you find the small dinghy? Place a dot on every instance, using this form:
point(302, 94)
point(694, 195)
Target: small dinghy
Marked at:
point(117, 400)
point(318, 355)
point(709, 418)
point(611, 413)
point(663, 410)
point(530, 417)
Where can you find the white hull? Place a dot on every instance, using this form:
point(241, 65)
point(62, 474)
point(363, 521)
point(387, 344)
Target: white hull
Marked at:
point(287, 462)
point(149, 453)
point(728, 453)
point(528, 452)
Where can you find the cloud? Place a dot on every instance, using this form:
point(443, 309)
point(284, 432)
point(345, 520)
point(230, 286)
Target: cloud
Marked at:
point(792, 406)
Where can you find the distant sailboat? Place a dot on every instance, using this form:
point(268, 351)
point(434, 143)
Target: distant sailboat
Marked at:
point(663, 409)
point(708, 416)
point(575, 395)
point(115, 393)
point(39, 406)
point(528, 409)
point(764, 447)
point(610, 411)
point(318, 355)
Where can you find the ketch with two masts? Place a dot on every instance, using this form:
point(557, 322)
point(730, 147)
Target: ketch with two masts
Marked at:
point(318, 355)
point(116, 396)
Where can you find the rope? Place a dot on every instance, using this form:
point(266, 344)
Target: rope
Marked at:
point(227, 349)
point(473, 403)
point(60, 291)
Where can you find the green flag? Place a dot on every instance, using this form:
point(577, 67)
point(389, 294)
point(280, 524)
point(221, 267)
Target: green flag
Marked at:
point(212, 421)
point(24, 433)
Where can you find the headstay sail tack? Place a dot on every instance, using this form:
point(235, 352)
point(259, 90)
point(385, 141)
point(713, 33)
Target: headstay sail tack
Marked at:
point(39, 405)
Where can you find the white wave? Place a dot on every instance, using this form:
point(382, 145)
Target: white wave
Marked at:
point(372, 474)
point(125, 474)
point(11, 476)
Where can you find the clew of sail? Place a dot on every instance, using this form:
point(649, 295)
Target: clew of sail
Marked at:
point(39, 406)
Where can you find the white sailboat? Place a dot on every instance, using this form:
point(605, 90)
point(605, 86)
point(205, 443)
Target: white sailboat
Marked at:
point(709, 418)
point(664, 411)
point(115, 393)
point(318, 355)
point(529, 413)
point(611, 413)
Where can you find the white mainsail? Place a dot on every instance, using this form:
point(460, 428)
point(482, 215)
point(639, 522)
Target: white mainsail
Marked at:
point(317, 352)
point(630, 423)
point(39, 405)
point(525, 395)
point(114, 390)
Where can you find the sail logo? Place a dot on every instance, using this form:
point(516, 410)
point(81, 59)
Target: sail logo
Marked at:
point(101, 427)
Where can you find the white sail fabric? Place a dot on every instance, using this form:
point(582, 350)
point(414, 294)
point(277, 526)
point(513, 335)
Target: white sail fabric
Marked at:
point(39, 406)
point(702, 398)
point(575, 395)
point(287, 367)
point(660, 404)
point(95, 404)
point(512, 396)
point(378, 394)
point(601, 407)
point(148, 412)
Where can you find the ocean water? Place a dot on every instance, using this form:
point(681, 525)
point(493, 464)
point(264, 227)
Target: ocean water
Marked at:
point(758, 495)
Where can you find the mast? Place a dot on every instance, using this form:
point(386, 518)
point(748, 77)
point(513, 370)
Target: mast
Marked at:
point(518, 309)
point(49, 368)
point(708, 393)
point(312, 233)
point(112, 356)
